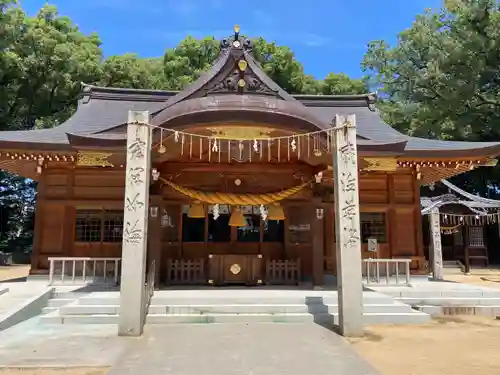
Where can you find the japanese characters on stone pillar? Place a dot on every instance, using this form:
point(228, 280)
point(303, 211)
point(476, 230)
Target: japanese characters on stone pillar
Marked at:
point(437, 252)
point(347, 227)
point(135, 224)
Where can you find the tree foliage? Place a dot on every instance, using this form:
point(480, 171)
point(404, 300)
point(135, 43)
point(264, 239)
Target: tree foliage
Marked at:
point(442, 78)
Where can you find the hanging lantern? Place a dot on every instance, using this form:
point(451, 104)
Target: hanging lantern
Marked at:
point(275, 212)
point(237, 219)
point(196, 211)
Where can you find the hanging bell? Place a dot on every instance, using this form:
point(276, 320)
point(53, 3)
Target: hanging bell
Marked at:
point(237, 219)
point(196, 210)
point(275, 212)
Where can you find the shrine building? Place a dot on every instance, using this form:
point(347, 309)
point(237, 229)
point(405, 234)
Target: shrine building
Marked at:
point(241, 185)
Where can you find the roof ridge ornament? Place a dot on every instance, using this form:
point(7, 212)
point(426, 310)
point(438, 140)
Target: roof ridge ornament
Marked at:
point(236, 41)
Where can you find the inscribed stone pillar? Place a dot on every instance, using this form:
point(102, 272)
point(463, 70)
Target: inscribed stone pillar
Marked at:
point(437, 253)
point(135, 219)
point(347, 227)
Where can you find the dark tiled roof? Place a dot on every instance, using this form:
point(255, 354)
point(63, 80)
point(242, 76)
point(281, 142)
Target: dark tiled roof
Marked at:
point(102, 109)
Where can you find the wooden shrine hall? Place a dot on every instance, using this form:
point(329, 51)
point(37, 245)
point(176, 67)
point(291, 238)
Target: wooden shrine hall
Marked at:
point(241, 184)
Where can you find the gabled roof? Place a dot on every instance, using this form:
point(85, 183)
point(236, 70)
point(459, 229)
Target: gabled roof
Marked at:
point(238, 92)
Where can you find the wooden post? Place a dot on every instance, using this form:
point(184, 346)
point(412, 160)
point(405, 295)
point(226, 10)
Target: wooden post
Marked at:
point(135, 218)
point(348, 242)
point(318, 244)
point(155, 235)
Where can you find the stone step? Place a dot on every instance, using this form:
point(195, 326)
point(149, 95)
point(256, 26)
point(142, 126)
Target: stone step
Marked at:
point(58, 302)
point(55, 318)
point(449, 301)
point(48, 310)
point(96, 299)
point(78, 309)
point(472, 293)
point(327, 319)
point(491, 310)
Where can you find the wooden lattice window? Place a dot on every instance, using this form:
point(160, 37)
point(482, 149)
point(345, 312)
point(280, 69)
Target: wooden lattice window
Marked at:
point(476, 237)
point(98, 226)
point(113, 226)
point(373, 225)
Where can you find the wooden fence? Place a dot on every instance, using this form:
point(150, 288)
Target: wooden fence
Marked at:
point(180, 271)
point(283, 271)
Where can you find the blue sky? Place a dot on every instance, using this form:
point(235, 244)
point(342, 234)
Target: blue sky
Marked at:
point(326, 35)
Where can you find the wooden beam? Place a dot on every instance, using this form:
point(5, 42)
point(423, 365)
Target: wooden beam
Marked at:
point(243, 168)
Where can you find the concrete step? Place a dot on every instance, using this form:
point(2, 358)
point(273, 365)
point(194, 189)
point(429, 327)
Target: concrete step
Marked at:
point(323, 318)
point(58, 302)
point(55, 318)
point(79, 309)
point(48, 310)
point(492, 310)
point(465, 293)
point(449, 301)
point(97, 299)
point(54, 304)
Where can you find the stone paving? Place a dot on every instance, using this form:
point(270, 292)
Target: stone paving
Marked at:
point(34, 344)
point(240, 349)
point(185, 349)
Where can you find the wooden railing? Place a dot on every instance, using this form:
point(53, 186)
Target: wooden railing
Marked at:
point(181, 271)
point(283, 271)
point(389, 272)
point(82, 270)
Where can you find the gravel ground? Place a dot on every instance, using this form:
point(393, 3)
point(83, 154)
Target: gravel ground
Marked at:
point(448, 345)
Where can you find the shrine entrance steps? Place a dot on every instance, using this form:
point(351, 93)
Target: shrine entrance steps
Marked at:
point(447, 298)
point(233, 306)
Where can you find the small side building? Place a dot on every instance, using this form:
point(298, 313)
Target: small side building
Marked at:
point(469, 225)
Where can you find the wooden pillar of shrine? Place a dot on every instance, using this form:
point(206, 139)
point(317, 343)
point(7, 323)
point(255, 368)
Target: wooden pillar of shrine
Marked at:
point(318, 242)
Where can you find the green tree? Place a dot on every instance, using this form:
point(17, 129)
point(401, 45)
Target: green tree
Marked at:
point(442, 78)
point(341, 84)
point(132, 72)
point(43, 59)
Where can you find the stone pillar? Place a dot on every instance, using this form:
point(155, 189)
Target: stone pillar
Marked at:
point(135, 219)
point(349, 278)
point(318, 244)
point(436, 251)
